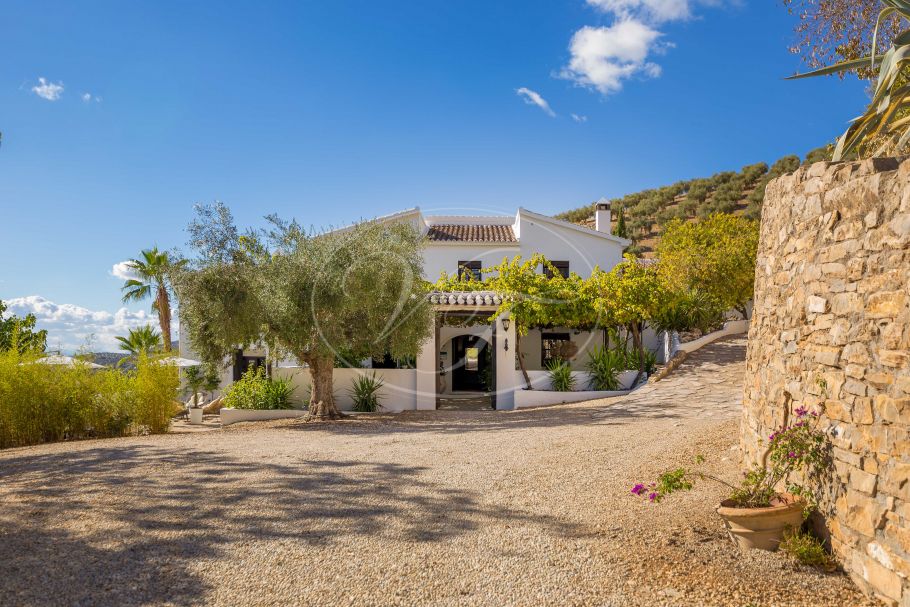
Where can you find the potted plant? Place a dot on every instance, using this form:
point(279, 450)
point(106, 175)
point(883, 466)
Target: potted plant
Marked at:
point(194, 378)
point(770, 499)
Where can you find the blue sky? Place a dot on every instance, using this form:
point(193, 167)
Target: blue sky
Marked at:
point(335, 110)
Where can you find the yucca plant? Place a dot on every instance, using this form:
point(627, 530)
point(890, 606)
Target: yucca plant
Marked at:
point(561, 378)
point(886, 123)
point(605, 365)
point(365, 392)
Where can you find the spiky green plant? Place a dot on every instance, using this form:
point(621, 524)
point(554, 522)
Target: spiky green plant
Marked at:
point(561, 378)
point(605, 365)
point(365, 392)
point(885, 127)
point(142, 340)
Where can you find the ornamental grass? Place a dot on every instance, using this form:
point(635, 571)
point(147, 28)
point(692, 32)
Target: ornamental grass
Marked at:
point(44, 403)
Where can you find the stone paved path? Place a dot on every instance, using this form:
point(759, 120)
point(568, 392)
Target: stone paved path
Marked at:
point(707, 384)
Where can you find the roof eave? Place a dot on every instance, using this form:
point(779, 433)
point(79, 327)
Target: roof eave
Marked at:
point(574, 226)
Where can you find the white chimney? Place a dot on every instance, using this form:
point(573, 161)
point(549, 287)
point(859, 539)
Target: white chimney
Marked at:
point(602, 215)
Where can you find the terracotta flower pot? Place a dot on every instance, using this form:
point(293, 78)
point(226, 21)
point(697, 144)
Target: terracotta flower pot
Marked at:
point(762, 528)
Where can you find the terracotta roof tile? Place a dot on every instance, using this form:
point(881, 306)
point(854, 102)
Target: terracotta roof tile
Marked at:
point(471, 233)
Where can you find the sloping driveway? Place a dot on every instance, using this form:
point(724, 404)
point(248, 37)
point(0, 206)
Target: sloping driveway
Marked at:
point(434, 508)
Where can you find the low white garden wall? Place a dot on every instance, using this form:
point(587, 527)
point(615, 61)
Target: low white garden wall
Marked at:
point(232, 416)
point(397, 393)
point(731, 327)
point(543, 393)
point(540, 380)
point(537, 398)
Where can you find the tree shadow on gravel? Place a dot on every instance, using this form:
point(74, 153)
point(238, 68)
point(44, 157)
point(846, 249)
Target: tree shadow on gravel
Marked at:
point(124, 525)
point(463, 422)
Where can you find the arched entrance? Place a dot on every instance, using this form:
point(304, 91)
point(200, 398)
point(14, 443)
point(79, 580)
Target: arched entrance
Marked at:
point(471, 364)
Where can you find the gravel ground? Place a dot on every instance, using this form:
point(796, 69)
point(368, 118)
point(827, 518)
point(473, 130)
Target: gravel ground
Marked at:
point(438, 508)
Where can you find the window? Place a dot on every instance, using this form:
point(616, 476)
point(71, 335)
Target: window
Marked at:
point(561, 266)
point(553, 346)
point(243, 363)
point(468, 268)
point(387, 362)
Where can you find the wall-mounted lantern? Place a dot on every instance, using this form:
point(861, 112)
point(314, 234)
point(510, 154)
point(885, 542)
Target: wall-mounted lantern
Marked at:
point(506, 322)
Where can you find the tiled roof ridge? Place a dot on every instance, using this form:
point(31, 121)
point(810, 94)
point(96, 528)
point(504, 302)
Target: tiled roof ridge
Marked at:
point(472, 232)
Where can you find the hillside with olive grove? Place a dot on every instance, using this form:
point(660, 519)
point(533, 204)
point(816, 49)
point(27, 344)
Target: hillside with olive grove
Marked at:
point(642, 216)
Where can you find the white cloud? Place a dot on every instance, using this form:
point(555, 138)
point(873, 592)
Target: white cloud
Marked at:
point(48, 90)
point(602, 57)
point(88, 98)
point(533, 98)
point(69, 326)
point(653, 10)
point(579, 118)
point(123, 271)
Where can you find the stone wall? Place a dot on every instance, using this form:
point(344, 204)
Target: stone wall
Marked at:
point(831, 330)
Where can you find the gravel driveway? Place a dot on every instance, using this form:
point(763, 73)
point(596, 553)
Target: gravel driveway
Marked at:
point(439, 508)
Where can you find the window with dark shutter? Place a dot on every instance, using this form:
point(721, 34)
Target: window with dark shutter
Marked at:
point(561, 266)
point(468, 268)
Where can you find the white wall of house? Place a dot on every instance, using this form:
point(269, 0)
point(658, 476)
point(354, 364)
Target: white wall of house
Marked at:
point(444, 257)
point(585, 342)
point(558, 241)
point(580, 247)
point(397, 393)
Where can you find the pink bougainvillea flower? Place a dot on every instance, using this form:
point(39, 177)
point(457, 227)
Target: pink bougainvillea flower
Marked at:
point(638, 489)
point(652, 497)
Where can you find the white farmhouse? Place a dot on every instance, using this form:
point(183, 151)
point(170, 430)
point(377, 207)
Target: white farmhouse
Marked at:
point(478, 359)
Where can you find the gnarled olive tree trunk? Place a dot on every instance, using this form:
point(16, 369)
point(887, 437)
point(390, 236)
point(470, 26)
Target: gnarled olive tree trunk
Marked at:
point(322, 399)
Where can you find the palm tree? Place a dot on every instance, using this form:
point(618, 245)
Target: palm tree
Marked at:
point(152, 274)
point(143, 340)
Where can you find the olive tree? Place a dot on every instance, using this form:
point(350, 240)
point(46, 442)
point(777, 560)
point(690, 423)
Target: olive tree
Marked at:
point(311, 295)
point(21, 333)
point(715, 257)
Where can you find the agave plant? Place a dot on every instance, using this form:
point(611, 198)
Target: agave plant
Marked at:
point(561, 378)
point(887, 119)
point(604, 366)
point(365, 392)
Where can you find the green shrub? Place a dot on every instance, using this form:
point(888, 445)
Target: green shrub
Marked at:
point(256, 391)
point(605, 365)
point(632, 361)
point(753, 172)
point(43, 403)
point(807, 549)
point(365, 392)
point(561, 378)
